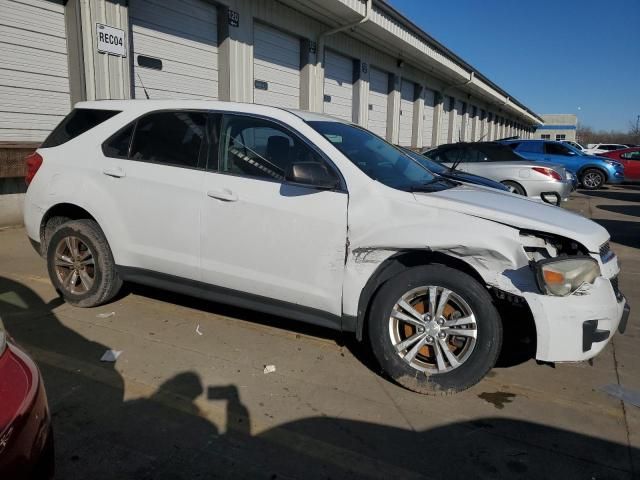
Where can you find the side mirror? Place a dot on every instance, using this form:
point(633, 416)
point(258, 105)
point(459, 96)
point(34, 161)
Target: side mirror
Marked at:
point(311, 174)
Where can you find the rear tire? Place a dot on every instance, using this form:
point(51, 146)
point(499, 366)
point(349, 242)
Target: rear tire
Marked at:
point(592, 179)
point(515, 187)
point(468, 326)
point(81, 265)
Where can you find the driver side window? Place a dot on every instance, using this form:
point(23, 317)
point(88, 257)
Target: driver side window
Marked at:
point(556, 149)
point(254, 147)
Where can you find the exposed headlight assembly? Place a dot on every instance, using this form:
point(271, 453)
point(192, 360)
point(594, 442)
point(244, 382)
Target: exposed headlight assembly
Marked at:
point(563, 276)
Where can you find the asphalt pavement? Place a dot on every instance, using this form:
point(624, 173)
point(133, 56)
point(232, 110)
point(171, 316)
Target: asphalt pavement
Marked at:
point(188, 397)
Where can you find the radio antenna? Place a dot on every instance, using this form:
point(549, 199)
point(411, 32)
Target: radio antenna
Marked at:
point(146, 94)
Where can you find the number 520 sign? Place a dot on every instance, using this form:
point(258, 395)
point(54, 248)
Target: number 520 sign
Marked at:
point(111, 40)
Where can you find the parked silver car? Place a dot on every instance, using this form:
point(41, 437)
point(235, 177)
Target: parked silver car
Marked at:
point(544, 181)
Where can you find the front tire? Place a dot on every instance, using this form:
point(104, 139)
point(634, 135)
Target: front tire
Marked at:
point(80, 264)
point(592, 179)
point(435, 330)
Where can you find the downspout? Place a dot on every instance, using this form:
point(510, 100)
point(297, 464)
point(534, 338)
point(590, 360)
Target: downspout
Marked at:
point(472, 75)
point(324, 35)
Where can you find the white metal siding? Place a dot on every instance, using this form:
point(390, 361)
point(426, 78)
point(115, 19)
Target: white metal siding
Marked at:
point(407, 97)
point(338, 85)
point(34, 73)
point(277, 62)
point(443, 134)
point(378, 101)
point(468, 136)
point(183, 34)
point(457, 122)
point(427, 123)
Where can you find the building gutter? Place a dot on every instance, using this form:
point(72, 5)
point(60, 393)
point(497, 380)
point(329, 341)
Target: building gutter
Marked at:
point(322, 37)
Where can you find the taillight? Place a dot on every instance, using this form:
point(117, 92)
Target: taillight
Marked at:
point(33, 162)
point(549, 172)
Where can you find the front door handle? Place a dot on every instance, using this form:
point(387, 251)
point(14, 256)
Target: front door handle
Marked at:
point(115, 172)
point(224, 195)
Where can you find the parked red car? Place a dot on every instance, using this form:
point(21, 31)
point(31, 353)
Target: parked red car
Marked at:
point(630, 158)
point(26, 440)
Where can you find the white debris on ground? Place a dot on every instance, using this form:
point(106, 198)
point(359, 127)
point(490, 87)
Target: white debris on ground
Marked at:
point(110, 355)
point(198, 330)
point(269, 369)
point(106, 315)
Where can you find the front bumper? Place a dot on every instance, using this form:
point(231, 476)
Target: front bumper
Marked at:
point(616, 177)
point(579, 326)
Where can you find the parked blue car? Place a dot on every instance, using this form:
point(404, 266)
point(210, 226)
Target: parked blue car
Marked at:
point(592, 172)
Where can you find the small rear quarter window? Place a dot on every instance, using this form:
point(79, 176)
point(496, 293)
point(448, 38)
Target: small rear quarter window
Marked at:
point(79, 121)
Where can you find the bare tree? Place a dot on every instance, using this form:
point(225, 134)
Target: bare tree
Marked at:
point(585, 135)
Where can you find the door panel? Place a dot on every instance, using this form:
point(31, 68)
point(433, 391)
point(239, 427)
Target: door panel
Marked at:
point(263, 236)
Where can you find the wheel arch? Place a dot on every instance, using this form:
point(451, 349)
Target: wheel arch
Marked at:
point(65, 211)
point(594, 167)
point(398, 263)
point(509, 180)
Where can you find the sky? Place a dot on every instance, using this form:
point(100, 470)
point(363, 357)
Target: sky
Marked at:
point(562, 56)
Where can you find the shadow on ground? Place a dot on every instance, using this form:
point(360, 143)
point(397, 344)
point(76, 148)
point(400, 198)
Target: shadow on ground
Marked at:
point(626, 195)
point(165, 435)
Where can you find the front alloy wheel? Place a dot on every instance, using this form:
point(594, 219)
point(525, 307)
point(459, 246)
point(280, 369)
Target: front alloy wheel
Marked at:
point(433, 329)
point(592, 179)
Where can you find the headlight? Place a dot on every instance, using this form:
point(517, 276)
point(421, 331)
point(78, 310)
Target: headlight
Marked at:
point(562, 277)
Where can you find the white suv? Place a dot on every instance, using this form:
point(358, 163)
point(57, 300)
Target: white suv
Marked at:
point(602, 148)
point(308, 217)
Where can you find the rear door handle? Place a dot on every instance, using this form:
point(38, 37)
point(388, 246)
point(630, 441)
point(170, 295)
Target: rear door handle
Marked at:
point(224, 195)
point(115, 172)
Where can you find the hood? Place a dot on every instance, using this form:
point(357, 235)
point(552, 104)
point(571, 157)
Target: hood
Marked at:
point(519, 212)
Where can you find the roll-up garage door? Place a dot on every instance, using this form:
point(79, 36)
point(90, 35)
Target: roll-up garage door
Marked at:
point(276, 67)
point(443, 134)
point(34, 74)
point(427, 121)
point(338, 86)
point(378, 98)
point(407, 97)
point(457, 122)
point(175, 48)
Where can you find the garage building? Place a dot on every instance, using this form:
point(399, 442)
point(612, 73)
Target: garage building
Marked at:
point(358, 60)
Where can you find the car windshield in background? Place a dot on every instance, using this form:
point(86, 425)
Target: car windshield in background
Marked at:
point(380, 160)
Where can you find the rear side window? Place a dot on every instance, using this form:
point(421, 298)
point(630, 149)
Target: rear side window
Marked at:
point(531, 147)
point(172, 138)
point(79, 121)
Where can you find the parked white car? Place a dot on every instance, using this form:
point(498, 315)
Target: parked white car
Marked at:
point(573, 144)
point(305, 216)
point(595, 149)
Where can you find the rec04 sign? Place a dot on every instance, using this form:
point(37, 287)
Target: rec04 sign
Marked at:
point(111, 40)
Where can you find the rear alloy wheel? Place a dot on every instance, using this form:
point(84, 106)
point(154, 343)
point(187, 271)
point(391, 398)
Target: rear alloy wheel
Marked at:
point(80, 263)
point(592, 179)
point(434, 329)
point(514, 187)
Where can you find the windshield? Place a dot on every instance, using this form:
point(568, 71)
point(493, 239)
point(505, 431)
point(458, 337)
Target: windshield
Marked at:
point(432, 165)
point(577, 151)
point(380, 160)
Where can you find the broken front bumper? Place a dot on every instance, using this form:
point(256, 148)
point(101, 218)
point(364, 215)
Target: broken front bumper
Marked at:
point(579, 326)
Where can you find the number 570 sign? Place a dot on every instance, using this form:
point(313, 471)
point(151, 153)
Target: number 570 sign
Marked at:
point(111, 40)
